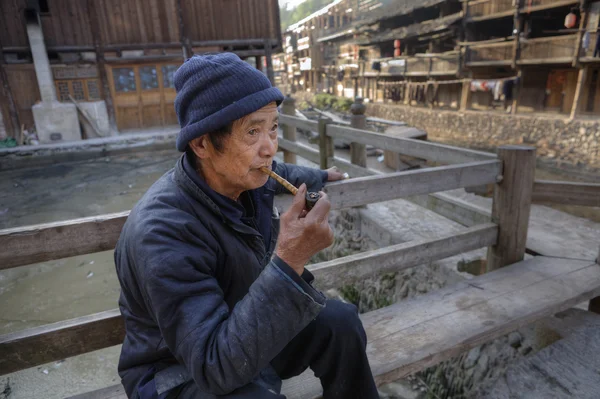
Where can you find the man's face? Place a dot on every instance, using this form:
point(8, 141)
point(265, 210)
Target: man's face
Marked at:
point(251, 145)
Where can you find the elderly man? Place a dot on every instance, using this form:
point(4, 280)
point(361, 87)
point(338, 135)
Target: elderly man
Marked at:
point(212, 306)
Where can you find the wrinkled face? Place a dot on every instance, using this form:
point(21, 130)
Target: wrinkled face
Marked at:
point(251, 145)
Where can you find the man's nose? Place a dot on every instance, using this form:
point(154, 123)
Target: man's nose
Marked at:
point(268, 147)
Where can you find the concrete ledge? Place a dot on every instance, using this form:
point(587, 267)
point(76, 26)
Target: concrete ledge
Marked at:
point(48, 154)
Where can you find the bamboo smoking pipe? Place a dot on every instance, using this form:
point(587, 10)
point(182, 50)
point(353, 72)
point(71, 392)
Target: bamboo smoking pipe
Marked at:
point(311, 197)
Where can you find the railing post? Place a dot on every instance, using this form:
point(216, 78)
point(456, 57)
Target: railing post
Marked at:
point(358, 120)
point(288, 107)
point(325, 143)
point(594, 305)
point(512, 205)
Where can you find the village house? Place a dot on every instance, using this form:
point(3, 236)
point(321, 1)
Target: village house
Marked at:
point(86, 68)
point(507, 56)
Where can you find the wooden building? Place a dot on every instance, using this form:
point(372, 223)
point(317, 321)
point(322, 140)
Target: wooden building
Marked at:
point(493, 55)
point(122, 52)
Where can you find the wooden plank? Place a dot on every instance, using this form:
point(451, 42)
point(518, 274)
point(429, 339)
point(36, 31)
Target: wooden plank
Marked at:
point(60, 340)
point(298, 123)
point(415, 334)
point(512, 205)
point(568, 193)
point(353, 268)
point(43, 242)
point(301, 149)
point(416, 148)
point(326, 149)
point(367, 190)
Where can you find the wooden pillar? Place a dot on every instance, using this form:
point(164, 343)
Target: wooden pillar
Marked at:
point(579, 92)
point(100, 61)
point(582, 28)
point(512, 205)
point(268, 56)
point(258, 62)
point(325, 143)
point(519, 90)
point(288, 107)
point(517, 22)
point(15, 124)
point(465, 97)
point(185, 42)
point(358, 120)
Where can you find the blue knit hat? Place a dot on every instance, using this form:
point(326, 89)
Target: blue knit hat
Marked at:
point(215, 90)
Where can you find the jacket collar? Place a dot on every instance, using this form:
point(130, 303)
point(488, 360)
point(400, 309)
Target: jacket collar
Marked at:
point(230, 212)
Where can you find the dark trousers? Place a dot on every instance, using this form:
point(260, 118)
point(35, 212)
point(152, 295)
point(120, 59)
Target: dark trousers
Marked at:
point(333, 346)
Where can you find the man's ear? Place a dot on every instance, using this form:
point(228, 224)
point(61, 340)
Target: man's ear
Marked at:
point(201, 147)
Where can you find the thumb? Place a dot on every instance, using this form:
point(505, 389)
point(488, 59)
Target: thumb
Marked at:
point(299, 202)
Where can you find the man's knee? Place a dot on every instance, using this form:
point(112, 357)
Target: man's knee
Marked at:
point(341, 319)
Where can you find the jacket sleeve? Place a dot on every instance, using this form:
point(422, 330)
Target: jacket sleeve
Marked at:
point(221, 349)
point(314, 178)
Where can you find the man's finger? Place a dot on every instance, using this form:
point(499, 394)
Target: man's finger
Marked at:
point(321, 209)
point(298, 203)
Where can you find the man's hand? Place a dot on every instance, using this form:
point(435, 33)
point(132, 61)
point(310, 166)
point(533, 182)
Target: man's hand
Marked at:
point(304, 234)
point(334, 174)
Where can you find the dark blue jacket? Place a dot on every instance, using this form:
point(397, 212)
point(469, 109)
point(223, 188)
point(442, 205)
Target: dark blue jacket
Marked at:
point(200, 287)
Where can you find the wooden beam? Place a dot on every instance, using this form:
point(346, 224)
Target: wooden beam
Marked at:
point(298, 123)
point(105, 92)
point(579, 91)
point(43, 242)
point(326, 149)
point(354, 268)
point(351, 169)
point(512, 205)
point(567, 193)
point(303, 150)
point(367, 190)
point(269, 59)
point(13, 114)
point(185, 42)
point(415, 148)
point(56, 341)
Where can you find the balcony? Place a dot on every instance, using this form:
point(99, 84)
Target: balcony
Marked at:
point(480, 10)
point(421, 65)
point(487, 9)
point(490, 53)
point(548, 50)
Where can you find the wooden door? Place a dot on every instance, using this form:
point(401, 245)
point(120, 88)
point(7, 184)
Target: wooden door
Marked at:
point(143, 95)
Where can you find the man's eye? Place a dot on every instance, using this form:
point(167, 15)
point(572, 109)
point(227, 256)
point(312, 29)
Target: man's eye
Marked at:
point(253, 132)
point(275, 126)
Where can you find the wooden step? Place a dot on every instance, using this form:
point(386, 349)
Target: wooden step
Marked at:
point(412, 335)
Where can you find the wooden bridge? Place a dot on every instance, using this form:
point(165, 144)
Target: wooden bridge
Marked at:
point(405, 337)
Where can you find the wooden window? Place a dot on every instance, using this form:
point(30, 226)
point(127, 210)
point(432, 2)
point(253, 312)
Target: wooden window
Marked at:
point(148, 78)
point(124, 79)
point(79, 89)
point(168, 72)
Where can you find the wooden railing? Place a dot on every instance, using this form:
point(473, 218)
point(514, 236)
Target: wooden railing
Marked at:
point(490, 52)
point(485, 8)
point(553, 48)
point(420, 65)
point(511, 171)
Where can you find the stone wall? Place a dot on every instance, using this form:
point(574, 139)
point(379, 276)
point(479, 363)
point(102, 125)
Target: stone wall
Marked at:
point(567, 144)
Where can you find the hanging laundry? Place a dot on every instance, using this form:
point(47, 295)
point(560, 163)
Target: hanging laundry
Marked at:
point(483, 85)
point(498, 89)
